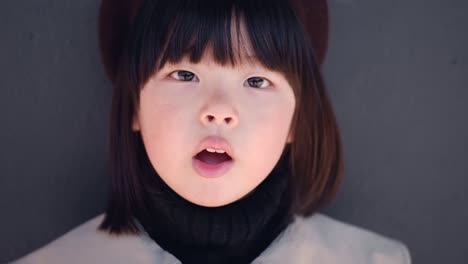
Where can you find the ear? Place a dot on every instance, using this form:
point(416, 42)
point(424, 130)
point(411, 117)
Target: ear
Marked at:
point(135, 123)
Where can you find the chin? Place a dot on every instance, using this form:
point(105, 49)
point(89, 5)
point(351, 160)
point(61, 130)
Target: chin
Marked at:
point(208, 200)
point(212, 204)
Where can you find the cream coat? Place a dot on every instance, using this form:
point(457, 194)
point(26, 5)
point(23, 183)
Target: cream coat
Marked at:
point(316, 239)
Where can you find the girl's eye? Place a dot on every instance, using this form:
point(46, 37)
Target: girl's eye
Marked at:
point(257, 82)
point(184, 76)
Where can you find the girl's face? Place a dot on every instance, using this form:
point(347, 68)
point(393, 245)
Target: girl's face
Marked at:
point(248, 105)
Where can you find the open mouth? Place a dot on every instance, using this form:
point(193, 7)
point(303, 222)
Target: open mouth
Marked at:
point(212, 158)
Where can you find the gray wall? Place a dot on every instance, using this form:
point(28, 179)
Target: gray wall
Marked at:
point(397, 73)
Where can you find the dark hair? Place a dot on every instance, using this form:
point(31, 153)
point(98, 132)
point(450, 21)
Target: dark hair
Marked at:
point(166, 31)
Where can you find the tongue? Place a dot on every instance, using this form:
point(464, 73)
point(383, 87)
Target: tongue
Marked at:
point(212, 158)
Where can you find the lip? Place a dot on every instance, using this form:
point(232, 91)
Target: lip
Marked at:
point(215, 142)
point(211, 170)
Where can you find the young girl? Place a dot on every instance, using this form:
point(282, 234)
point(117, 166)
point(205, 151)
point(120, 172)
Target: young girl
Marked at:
point(223, 142)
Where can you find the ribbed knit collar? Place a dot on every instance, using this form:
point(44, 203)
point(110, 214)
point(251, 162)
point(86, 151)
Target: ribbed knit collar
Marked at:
point(233, 233)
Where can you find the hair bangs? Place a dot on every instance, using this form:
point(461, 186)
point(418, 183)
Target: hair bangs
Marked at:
point(235, 32)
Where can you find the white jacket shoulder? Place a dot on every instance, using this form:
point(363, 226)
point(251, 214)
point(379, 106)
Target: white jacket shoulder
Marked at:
point(85, 244)
point(322, 239)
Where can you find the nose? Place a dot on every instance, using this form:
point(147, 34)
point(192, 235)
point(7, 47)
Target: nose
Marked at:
point(219, 112)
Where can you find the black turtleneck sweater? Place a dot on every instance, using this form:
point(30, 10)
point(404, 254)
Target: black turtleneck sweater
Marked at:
point(234, 233)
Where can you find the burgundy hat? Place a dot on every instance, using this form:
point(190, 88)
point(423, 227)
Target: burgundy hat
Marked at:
point(116, 16)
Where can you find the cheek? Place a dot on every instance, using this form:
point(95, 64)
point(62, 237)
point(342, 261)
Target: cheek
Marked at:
point(162, 129)
point(156, 119)
point(160, 112)
point(269, 130)
point(273, 119)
